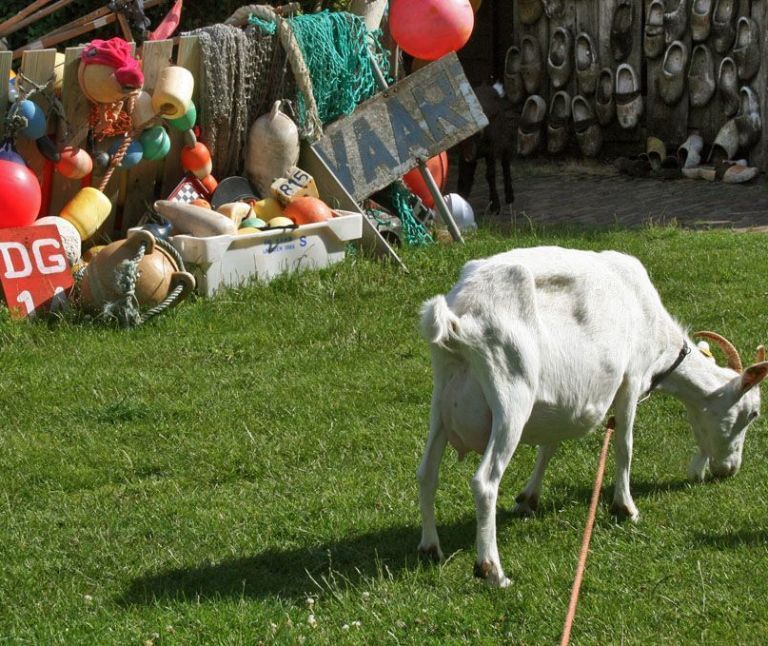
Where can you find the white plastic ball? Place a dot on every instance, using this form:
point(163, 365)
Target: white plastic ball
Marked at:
point(462, 212)
point(70, 237)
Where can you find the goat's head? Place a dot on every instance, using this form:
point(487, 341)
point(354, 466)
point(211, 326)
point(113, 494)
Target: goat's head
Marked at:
point(721, 423)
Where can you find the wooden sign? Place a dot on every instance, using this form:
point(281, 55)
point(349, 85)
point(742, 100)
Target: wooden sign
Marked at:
point(297, 184)
point(419, 117)
point(34, 270)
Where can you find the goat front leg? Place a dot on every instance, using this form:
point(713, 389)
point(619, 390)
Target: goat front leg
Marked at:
point(490, 178)
point(427, 475)
point(625, 406)
point(506, 170)
point(508, 422)
point(528, 499)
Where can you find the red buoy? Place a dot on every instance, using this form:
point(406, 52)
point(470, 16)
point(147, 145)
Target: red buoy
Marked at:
point(20, 195)
point(438, 168)
point(430, 29)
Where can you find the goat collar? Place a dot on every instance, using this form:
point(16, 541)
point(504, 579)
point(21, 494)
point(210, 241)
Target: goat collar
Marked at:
point(658, 378)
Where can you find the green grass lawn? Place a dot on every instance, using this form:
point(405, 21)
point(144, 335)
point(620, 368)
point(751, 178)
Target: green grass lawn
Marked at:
point(242, 469)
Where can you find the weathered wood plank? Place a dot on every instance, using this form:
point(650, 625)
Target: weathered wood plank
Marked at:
point(422, 115)
point(668, 123)
point(759, 154)
point(141, 179)
point(73, 130)
point(37, 66)
point(6, 60)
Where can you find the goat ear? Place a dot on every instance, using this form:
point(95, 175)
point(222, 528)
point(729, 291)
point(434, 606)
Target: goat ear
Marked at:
point(753, 375)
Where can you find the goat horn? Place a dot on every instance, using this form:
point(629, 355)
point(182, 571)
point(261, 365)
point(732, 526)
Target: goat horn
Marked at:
point(734, 360)
point(760, 354)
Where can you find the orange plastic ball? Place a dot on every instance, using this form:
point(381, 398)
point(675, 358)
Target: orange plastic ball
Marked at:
point(306, 210)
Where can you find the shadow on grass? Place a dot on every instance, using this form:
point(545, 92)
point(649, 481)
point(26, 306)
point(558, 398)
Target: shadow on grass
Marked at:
point(737, 538)
point(286, 573)
point(640, 489)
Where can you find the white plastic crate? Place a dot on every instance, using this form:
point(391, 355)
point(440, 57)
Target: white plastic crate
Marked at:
point(230, 260)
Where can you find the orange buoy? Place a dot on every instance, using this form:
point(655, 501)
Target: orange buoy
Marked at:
point(307, 210)
point(74, 163)
point(210, 183)
point(197, 160)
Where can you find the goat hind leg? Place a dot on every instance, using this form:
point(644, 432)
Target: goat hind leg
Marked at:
point(527, 500)
point(427, 475)
point(508, 422)
point(506, 170)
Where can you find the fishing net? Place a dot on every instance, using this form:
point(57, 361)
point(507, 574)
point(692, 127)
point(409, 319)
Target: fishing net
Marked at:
point(319, 63)
point(403, 201)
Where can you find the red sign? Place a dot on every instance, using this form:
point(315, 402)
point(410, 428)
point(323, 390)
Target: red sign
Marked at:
point(34, 269)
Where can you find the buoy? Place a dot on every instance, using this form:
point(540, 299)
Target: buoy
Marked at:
point(438, 168)
point(87, 210)
point(281, 222)
point(197, 160)
point(74, 163)
point(20, 195)
point(108, 72)
point(307, 210)
point(210, 183)
point(252, 223)
point(172, 95)
point(36, 121)
point(273, 148)
point(267, 208)
point(462, 212)
point(187, 120)
point(132, 156)
point(155, 142)
point(430, 29)
point(8, 153)
point(70, 237)
point(143, 111)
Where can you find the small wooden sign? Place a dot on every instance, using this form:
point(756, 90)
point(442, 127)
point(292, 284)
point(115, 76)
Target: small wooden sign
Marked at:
point(298, 183)
point(421, 116)
point(34, 269)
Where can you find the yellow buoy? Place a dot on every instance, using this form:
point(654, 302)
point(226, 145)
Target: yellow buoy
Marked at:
point(87, 210)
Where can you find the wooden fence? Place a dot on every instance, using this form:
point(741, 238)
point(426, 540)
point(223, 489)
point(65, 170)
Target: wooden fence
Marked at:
point(672, 124)
point(130, 191)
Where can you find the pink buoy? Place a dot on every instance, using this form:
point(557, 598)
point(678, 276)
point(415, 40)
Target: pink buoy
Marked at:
point(20, 195)
point(430, 29)
point(438, 168)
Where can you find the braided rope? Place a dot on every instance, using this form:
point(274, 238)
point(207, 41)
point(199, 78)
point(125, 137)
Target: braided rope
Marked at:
point(118, 156)
point(584, 551)
point(302, 77)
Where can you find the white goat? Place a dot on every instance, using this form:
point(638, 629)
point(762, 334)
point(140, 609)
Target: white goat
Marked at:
point(535, 346)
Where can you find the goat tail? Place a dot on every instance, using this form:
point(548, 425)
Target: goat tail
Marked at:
point(439, 325)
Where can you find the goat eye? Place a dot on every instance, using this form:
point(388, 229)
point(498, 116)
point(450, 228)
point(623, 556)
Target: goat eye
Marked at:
point(752, 415)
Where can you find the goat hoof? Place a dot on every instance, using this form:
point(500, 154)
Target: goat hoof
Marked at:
point(526, 506)
point(491, 574)
point(624, 512)
point(431, 553)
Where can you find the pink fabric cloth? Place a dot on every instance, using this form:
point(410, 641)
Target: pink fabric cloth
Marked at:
point(116, 53)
